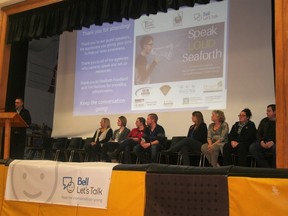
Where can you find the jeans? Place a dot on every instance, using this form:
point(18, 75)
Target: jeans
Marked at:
point(143, 154)
point(258, 152)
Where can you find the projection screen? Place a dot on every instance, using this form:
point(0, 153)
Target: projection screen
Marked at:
point(215, 56)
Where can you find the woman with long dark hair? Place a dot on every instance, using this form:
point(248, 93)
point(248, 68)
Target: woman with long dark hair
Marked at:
point(197, 135)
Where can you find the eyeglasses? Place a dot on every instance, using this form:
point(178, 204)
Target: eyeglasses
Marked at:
point(241, 115)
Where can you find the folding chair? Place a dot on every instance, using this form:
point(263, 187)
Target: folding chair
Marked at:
point(81, 150)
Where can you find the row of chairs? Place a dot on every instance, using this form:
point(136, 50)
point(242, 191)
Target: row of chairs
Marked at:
point(60, 149)
point(198, 155)
point(65, 149)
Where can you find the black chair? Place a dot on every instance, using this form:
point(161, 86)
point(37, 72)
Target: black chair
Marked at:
point(179, 157)
point(75, 143)
point(44, 146)
point(147, 152)
point(250, 159)
point(132, 155)
point(47, 146)
point(59, 146)
point(253, 162)
point(170, 143)
point(194, 154)
point(83, 156)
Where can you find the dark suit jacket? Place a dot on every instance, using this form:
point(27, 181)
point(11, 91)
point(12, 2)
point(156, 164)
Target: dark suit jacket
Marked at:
point(25, 114)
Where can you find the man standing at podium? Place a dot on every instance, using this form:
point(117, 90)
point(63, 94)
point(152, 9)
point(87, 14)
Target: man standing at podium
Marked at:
point(18, 134)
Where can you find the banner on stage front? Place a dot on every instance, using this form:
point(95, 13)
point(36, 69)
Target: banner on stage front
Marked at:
point(75, 184)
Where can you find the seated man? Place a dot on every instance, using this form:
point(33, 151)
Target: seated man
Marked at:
point(153, 139)
point(266, 139)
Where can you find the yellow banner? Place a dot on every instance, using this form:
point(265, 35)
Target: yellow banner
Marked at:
point(258, 196)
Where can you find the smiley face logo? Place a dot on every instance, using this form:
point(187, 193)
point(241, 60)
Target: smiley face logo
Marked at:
point(71, 187)
point(33, 195)
point(33, 180)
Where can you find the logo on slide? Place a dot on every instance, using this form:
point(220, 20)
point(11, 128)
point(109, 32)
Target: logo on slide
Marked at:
point(143, 92)
point(206, 15)
point(178, 17)
point(165, 89)
point(197, 17)
point(148, 24)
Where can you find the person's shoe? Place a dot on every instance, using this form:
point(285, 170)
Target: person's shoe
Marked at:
point(112, 155)
point(114, 161)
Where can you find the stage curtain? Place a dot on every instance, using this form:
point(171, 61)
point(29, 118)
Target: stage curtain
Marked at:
point(71, 15)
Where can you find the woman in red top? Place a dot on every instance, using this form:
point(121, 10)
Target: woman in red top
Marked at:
point(133, 138)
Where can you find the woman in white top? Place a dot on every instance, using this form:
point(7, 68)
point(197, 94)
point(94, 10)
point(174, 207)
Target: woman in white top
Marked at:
point(101, 136)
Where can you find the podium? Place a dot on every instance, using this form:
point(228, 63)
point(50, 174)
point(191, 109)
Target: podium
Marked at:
point(8, 120)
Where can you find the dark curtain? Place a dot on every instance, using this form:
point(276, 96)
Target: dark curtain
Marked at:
point(17, 73)
point(71, 15)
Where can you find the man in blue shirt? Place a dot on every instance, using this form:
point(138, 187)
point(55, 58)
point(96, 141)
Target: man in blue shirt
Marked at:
point(153, 140)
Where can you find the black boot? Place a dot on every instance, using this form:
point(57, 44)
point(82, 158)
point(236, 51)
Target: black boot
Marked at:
point(112, 155)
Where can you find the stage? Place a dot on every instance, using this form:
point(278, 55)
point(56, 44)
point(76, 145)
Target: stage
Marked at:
point(148, 189)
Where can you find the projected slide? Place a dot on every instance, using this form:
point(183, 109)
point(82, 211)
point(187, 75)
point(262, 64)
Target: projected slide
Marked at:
point(104, 69)
point(169, 61)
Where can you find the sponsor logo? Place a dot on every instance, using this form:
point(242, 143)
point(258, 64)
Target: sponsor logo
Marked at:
point(143, 92)
point(68, 184)
point(177, 19)
point(148, 24)
point(206, 15)
point(82, 186)
point(168, 103)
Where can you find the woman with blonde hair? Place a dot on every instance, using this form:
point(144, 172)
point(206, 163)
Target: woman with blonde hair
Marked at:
point(217, 137)
point(101, 136)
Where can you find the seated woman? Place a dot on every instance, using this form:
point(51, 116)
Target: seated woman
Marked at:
point(118, 136)
point(101, 136)
point(242, 134)
point(217, 137)
point(197, 135)
point(128, 144)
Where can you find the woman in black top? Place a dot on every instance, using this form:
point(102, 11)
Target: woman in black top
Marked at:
point(197, 135)
point(242, 134)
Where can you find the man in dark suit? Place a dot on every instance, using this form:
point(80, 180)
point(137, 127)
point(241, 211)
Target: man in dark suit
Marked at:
point(18, 134)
